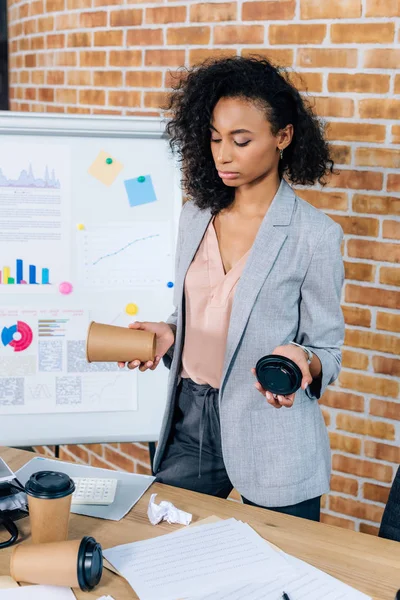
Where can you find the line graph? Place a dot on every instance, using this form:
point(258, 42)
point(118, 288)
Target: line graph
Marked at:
point(124, 248)
point(125, 256)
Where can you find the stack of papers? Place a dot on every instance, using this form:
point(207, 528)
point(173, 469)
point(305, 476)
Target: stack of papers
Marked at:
point(221, 561)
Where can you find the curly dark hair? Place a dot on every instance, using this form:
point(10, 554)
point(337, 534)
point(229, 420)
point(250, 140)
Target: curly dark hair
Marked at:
point(190, 106)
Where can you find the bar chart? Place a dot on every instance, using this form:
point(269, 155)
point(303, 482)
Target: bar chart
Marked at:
point(24, 274)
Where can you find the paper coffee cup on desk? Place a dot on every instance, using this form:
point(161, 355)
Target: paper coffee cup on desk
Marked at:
point(49, 501)
point(74, 563)
point(108, 343)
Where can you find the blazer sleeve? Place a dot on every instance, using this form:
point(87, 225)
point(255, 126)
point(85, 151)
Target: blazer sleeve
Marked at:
point(173, 318)
point(321, 322)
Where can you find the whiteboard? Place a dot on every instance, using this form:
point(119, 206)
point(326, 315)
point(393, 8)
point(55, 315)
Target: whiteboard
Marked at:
point(89, 207)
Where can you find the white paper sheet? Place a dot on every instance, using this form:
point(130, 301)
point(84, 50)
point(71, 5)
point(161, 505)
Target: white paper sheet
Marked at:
point(180, 564)
point(300, 581)
point(37, 592)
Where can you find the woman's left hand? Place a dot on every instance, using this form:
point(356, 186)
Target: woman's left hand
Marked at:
point(298, 356)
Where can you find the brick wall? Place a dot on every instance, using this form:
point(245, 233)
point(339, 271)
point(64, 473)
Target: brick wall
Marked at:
point(116, 56)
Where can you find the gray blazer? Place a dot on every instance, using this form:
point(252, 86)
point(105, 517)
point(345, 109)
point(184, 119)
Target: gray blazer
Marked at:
point(289, 290)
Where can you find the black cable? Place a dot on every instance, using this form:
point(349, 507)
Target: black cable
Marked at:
point(11, 528)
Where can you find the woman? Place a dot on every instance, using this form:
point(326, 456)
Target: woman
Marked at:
point(258, 270)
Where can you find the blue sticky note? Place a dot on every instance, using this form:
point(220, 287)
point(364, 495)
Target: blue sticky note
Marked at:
point(140, 190)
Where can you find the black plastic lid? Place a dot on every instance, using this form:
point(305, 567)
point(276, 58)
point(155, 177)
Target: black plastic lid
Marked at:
point(278, 374)
point(90, 563)
point(49, 485)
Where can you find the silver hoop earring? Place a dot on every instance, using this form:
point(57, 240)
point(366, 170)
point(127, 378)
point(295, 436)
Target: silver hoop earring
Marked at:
point(281, 154)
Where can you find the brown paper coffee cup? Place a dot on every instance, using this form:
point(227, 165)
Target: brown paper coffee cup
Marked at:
point(74, 563)
point(47, 564)
point(49, 518)
point(108, 343)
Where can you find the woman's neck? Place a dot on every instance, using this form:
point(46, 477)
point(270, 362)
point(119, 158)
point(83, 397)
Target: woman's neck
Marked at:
point(255, 198)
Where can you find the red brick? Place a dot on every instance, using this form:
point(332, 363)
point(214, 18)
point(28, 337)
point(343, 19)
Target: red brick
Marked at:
point(372, 296)
point(55, 5)
point(145, 37)
point(354, 360)
point(107, 78)
point(378, 205)
point(381, 58)
point(136, 451)
point(393, 182)
point(359, 271)
point(387, 452)
point(100, 464)
point(144, 79)
point(38, 42)
point(376, 493)
point(385, 409)
point(282, 57)
point(96, 58)
point(93, 19)
point(208, 12)
point(313, 9)
point(268, 11)
point(369, 385)
point(118, 459)
point(368, 529)
point(55, 41)
point(324, 200)
point(382, 8)
point(386, 366)
point(391, 230)
point(108, 38)
point(329, 106)
point(81, 78)
point(364, 83)
point(79, 452)
point(342, 400)
point(356, 132)
point(352, 424)
point(340, 154)
point(122, 98)
point(353, 315)
point(67, 21)
point(360, 226)
point(166, 14)
point(38, 78)
point(324, 57)
point(362, 468)
point(379, 251)
point(164, 58)
point(126, 18)
point(155, 99)
point(65, 59)
point(362, 33)
point(344, 443)
point(297, 34)
point(346, 485)
point(337, 521)
point(79, 39)
point(357, 180)
point(354, 508)
point(396, 134)
point(389, 276)
point(311, 82)
point(142, 470)
point(389, 322)
point(238, 34)
point(93, 97)
point(45, 24)
point(127, 58)
point(378, 157)
point(66, 96)
point(327, 417)
point(373, 108)
point(96, 448)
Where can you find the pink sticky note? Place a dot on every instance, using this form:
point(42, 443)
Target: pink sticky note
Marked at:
point(65, 287)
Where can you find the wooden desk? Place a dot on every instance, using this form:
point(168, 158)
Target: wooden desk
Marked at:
point(370, 564)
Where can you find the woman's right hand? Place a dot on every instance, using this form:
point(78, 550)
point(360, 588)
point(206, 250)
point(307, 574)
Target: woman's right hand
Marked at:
point(165, 338)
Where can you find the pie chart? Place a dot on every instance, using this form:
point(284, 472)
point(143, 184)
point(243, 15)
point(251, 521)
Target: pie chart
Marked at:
point(18, 336)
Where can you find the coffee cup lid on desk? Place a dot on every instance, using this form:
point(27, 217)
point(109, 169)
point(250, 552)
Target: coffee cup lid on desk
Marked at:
point(90, 563)
point(278, 374)
point(49, 485)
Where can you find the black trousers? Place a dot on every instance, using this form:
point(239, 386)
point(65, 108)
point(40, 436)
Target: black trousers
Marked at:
point(193, 456)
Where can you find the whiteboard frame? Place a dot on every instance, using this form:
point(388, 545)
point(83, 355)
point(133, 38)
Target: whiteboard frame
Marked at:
point(46, 124)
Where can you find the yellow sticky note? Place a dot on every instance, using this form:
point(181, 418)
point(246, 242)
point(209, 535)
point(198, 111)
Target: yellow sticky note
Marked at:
point(80, 226)
point(105, 168)
point(131, 309)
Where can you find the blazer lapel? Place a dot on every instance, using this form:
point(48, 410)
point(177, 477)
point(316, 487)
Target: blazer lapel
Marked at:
point(269, 240)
